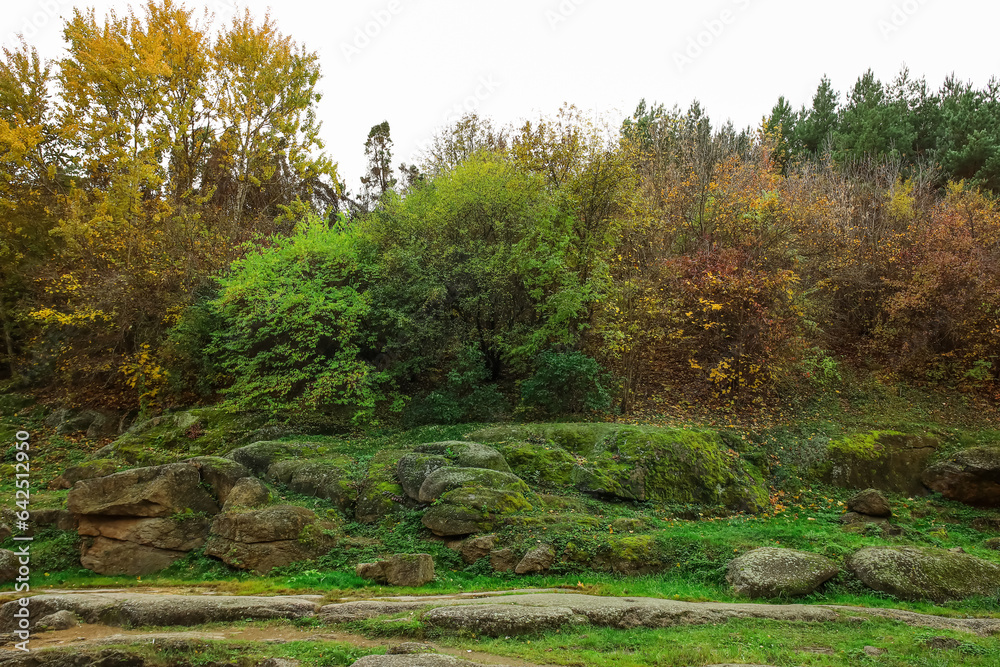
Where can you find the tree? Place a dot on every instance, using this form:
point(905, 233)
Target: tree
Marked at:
point(816, 126)
point(266, 87)
point(484, 255)
point(781, 124)
point(467, 136)
point(873, 123)
point(33, 168)
point(378, 178)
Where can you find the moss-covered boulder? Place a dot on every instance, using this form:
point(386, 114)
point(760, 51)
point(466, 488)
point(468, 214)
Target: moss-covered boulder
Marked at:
point(622, 554)
point(414, 468)
point(638, 464)
point(467, 454)
point(327, 478)
point(448, 478)
point(381, 495)
point(260, 456)
point(769, 572)
point(883, 460)
point(544, 466)
point(473, 510)
point(579, 438)
point(970, 476)
point(924, 573)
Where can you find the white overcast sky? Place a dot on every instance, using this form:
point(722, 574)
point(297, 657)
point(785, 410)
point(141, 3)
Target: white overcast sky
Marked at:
point(419, 63)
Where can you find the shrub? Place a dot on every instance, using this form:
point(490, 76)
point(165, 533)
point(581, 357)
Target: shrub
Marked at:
point(567, 383)
point(294, 326)
point(466, 395)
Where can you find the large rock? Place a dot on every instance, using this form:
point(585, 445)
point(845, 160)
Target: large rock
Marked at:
point(870, 502)
point(467, 454)
point(769, 572)
point(473, 510)
point(638, 464)
point(176, 534)
point(547, 466)
point(539, 559)
point(248, 492)
point(400, 570)
point(414, 468)
point(220, 473)
point(921, 573)
point(9, 565)
point(138, 609)
point(625, 554)
point(883, 460)
point(971, 476)
point(259, 456)
point(381, 495)
point(321, 478)
point(260, 540)
point(158, 491)
point(278, 522)
point(446, 479)
point(117, 557)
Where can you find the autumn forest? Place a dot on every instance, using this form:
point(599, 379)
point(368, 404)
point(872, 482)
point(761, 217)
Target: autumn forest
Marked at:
point(171, 233)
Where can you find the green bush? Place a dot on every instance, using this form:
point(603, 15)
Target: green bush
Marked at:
point(294, 327)
point(186, 354)
point(466, 396)
point(567, 383)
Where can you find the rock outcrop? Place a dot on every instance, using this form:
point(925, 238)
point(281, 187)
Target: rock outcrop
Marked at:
point(158, 491)
point(139, 521)
point(971, 476)
point(883, 460)
point(262, 539)
point(633, 463)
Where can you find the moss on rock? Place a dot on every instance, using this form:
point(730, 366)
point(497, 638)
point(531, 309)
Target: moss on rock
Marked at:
point(883, 460)
point(769, 572)
point(326, 478)
point(381, 495)
point(472, 510)
point(448, 478)
point(924, 573)
point(467, 454)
